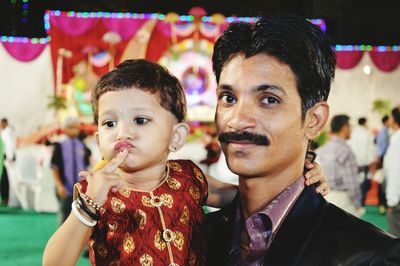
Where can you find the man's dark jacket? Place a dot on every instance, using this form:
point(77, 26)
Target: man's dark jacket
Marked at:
point(314, 232)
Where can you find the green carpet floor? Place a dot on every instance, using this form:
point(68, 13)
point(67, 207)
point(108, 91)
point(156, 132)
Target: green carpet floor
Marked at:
point(24, 234)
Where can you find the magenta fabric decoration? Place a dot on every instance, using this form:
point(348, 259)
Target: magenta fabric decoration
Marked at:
point(73, 26)
point(386, 61)
point(24, 52)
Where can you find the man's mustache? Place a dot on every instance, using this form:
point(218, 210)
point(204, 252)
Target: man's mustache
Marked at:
point(240, 136)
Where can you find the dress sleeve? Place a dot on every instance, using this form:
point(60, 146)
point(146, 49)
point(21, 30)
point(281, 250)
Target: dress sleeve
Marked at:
point(201, 180)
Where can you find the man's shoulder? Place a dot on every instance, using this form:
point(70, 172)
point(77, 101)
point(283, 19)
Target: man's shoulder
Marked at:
point(349, 228)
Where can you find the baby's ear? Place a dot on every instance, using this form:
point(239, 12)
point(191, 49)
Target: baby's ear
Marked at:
point(96, 135)
point(316, 118)
point(179, 133)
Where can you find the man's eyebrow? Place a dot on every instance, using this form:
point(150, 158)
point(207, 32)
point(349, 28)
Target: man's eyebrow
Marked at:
point(269, 87)
point(225, 87)
point(260, 88)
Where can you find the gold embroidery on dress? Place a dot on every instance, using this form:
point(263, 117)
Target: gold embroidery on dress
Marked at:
point(140, 218)
point(198, 174)
point(195, 193)
point(173, 183)
point(129, 244)
point(175, 166)
point(146, 260)
point(146, 201)
point(101, 250)
point(184, 215)
point(125, 193)
point(158, 242)
point(167, 200)
point(112, 226)
point(179, 240)
point(157, 201)
point(117, 205)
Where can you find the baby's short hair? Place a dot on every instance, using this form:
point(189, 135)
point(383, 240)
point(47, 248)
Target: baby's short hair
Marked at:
point(147, 76)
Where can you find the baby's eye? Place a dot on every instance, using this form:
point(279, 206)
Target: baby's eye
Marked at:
point(109, 124)
point(141, 120)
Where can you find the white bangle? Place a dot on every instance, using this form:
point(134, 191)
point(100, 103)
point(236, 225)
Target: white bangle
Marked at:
point(80, 217)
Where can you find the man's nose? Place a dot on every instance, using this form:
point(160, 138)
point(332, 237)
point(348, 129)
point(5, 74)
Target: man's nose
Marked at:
point(242, 116)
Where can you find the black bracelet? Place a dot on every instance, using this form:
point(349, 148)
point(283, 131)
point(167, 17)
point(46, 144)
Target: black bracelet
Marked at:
point(86, 210)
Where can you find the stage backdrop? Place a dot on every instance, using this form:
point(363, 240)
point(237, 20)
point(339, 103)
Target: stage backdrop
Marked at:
point(85, 45)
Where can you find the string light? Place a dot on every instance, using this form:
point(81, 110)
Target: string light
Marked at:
point(13, 39)
point(25, 11)
point(367, 48)
point(318, 22)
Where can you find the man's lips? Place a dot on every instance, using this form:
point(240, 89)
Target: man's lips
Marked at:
point(123, 145)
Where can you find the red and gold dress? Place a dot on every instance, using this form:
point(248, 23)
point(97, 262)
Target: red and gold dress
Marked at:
point(161, 227)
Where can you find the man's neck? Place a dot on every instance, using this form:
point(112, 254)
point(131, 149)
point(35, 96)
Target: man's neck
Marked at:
point(256, 193)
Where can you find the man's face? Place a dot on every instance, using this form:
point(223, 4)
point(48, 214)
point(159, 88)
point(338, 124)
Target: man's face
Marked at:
point(259, 95)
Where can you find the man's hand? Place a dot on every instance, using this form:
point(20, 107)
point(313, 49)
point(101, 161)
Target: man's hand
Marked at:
point(101, 181)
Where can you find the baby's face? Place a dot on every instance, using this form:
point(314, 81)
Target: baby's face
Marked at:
point(134, 119)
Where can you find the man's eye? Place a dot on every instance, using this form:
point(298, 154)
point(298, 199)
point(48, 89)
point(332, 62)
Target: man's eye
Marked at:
point(270, 100)
point(227, 98)
point(141, 120)
point(110, 124)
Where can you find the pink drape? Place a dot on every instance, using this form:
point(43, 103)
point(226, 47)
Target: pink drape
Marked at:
point(348, 59)
point(73, 26)
point(24, 52)
point(386, 61)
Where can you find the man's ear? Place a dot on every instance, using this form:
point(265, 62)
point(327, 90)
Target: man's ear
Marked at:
point(316, 118)
point(179, 133)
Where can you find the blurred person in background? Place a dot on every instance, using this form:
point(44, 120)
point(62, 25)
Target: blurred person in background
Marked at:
point(70, 156)
point(382, 143)
point(391, 166)
point(340, 166)
point(362, 144)
point(9, 139)
point(3, 181)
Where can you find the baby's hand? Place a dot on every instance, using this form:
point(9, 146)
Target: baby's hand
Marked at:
point(314, 175)
point(101, 181)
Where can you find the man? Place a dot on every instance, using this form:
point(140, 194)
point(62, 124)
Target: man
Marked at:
point(10, 146)
point(392, 173)
point(382, 143)
point(70, 156)
point(339, 163)
point(362, 144)
point(273, 82)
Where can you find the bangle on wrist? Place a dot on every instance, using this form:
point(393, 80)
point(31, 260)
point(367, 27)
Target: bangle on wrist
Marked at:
point(80, 217)
point(85, 198)
point(82, 206)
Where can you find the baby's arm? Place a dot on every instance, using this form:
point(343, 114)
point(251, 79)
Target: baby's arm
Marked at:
point(66, 244)
point(221, 194)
